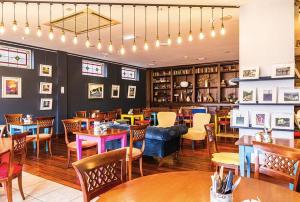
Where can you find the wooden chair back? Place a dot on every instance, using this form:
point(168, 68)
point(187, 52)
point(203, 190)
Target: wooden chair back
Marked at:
point(137, 134)
point(111, 116)
point(223, 114)
point(136, 111)
point(118, 112)
point(211, 139)
point(147, 113)
point(19, 147)
point(187, 114)
point(70, 126)
point(10, 118)
point(45, 123)
point(2, 130)
point(101, 172)
point(278, 161)
point(100, 116)
point(81, 114)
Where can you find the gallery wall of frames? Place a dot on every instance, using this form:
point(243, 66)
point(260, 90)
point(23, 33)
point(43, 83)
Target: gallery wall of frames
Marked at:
point(52, 83)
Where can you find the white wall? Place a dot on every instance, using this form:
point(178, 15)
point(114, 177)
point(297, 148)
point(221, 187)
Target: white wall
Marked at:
point(267, 38)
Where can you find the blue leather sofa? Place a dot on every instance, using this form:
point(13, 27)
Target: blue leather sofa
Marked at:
point(160, 142)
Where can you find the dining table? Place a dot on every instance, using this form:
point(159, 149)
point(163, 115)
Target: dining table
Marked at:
point(193, 186)
point(132, 117)
point(21, 126)
point(100, 137)
point(245, 144)
point(86, 120)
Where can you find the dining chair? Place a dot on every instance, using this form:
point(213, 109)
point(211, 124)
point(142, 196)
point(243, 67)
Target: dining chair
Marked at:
point(111, 116)
point(101, 172)
point(44, 133)
point(81, 114)
point(10, 118)
point(100, 116)
point(71, 126)
point(166, 119)
point(147, 118)
point(11, 164)
point(2, 130)
point(118, 115)
point(136, 110)
point(187, 117)
point(226, 159)
point(277, 161)
point(137, 136)
point(223, 119)
point(197, 132)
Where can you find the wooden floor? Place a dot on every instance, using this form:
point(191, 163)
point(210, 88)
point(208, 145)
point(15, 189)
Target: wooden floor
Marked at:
point(55, 168)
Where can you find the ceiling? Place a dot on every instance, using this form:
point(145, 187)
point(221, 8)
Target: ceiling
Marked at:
point(220, 48)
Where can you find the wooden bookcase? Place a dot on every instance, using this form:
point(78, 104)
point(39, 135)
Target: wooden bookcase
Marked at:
point(207, 84)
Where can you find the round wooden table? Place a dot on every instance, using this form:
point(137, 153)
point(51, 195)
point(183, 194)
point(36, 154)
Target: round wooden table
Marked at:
point(188, 186)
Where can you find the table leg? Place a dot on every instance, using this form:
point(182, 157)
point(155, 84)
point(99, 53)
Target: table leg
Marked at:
point(142, 117)
point(242, 160)
point(248, 160)
point(79, 147)
point(132, 120)
point(103, 146)
point(87, 125)
point(124, 140)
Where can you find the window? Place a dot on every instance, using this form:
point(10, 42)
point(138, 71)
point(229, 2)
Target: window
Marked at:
point(15, 57)
point(129, 73)
point(92, 68)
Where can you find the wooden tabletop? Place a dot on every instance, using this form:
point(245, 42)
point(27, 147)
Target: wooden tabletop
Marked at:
point(108, 132)
point(84, 118)
point(5, 143)
point(247, 140)
point(21, 123)
point(190, 186)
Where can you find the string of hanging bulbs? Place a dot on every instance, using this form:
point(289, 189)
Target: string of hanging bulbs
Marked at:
point(157, 43)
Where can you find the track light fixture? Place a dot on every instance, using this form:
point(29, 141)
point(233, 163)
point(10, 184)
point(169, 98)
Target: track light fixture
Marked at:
point(14, 24)
point(51, 35)
point(134, 44)
point(39, 30)
point(190, 33)
point(223, 31)
point(201, 34)
point(213, 32)
point(179, 38)
point(75, 38)
point(122, 50)
point(2, 28)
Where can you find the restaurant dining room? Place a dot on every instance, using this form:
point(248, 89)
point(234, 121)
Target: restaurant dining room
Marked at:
point(150, 100)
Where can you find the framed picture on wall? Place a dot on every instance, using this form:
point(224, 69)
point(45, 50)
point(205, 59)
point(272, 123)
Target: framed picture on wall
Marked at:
point(95, 91)
point(260, 119)
point(240, 118)
point(283, 70)
point(249, 73)
point(131, 92)
point(45, 88)
point(247, 95)
point(46, 104)
point(283, 121)
point(288, 95)
point(11, 87)
point(45, 70)
point(115, 91)
point(267, 95)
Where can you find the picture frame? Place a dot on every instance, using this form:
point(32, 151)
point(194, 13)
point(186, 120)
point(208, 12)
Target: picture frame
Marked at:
point(260, 119)
point(11, 87)
point(247, 95)
point(95, 91)
point(115, 91)
point(46, 104)
point(288, 95)
point(46, 88)
point(282, 121)
point(283, 70)
point(45, 70)
point(248, 73)
point(267, 95)
point(131, 92)
point(239, 118)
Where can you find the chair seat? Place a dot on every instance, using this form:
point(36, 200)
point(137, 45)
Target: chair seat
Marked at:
point(195, 134)
point(224, 122)
point(136, 152)
point(17, 169)
point(42, 136)
point(226, 158)
point(85, 144)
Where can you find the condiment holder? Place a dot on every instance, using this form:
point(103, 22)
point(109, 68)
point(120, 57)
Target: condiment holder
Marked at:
point(264, 136)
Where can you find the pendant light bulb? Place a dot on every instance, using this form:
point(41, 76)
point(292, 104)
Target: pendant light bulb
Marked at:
point(87, 43)
point(39, 31)
point(169, 40)
point(157, 43)
point(110, 47)
point(201, 35)
point(223, 30)
point(2, 28)
point(190, 37)
point(179, 39)
point(51, 35)
point(122, 50)
point(75, 40)
point(27, 30)
point(213, 33)
point(99, 45)
point(63, 37)
point(146, 47)
point(134, 47)
point(14, 26)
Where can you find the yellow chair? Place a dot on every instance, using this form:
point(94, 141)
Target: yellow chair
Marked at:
point(197, 132)
point(166, 119)
point(225, 159)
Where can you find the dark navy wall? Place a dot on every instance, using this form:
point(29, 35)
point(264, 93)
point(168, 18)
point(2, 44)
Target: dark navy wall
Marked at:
point(67, 73)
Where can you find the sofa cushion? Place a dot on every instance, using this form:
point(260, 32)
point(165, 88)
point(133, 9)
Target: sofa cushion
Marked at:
point(165, 134)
